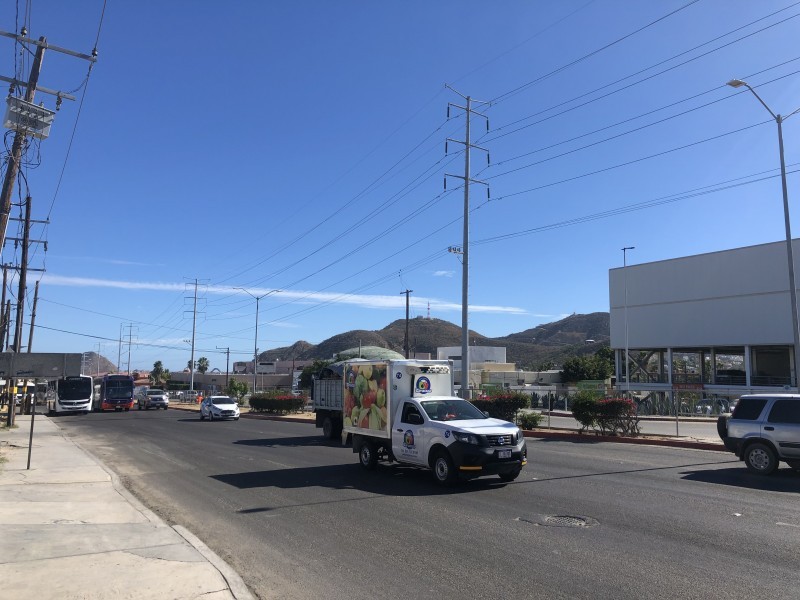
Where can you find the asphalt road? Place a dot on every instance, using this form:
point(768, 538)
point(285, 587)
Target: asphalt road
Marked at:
point(298, 518)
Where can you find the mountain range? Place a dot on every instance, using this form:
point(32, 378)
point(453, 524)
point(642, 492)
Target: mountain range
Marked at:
point(533, 349)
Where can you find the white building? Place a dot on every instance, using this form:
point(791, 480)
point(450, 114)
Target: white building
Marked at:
point(716, 324)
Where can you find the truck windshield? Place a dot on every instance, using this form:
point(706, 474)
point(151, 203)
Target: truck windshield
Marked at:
point(451, 410)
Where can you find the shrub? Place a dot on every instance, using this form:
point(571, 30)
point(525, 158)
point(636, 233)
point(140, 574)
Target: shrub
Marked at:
point(529, 420)
point(503, 405)
point(584, 409)
point(612, 416)
point(277, 403)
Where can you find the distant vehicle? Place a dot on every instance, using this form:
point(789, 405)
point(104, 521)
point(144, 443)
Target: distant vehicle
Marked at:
point(114, 392)
point(153, 398)
point(763, 430)
point(219, 407)
point(73, 394)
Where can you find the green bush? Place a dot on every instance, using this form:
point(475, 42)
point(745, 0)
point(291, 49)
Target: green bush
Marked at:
point(584, 409)
point(529, 420)
point(611, 416)
point(503, 405)
point(277, 403)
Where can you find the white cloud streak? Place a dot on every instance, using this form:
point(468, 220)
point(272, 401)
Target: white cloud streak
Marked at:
point(369, 301)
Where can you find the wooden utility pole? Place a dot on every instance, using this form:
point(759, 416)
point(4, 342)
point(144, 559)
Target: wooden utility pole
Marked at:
point(23, 276)
point(405, 339)
point(16, 147)
point(33, 315)
point(3, 320)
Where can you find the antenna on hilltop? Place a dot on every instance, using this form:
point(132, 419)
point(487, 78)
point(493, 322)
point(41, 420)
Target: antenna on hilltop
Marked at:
point(429, 310)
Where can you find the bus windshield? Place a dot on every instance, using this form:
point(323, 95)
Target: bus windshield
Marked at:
point(119, 390)
point(75, 389)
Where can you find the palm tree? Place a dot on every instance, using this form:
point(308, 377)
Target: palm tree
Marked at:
point(157, 374)
point(202, 364)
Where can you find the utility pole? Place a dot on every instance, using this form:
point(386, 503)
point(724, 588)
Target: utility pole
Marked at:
point(31, 87)
point(23, 275)
point(227, 362)
point(405, 339)
point(194, 331)
point(8, 323)
point(468, 112)
point(130, 334)
point(33, 315)
point(3, 320)
point(16, 147)
point(119, 350)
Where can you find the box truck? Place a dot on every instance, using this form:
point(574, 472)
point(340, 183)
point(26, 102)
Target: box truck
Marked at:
point(405, 411)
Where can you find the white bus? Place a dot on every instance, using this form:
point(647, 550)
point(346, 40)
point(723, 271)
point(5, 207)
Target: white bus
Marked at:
point(73, 394)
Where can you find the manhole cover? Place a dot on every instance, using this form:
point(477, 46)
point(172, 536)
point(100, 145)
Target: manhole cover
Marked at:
point(560, 521)
point(566, 521)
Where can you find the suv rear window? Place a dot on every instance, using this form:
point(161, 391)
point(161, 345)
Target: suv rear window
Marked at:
point(748, 409)
point(785, 411)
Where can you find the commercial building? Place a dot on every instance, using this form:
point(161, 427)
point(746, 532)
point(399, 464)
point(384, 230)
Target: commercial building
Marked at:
point(703, 330)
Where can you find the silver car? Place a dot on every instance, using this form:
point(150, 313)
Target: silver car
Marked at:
point(763, 430)
point(153, 398)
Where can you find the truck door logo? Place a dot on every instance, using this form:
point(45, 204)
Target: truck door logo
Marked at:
point(423, 385)
point(408, 440)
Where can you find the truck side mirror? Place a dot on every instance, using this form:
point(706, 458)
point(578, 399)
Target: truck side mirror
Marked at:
point(486, 414)
point(415, 419)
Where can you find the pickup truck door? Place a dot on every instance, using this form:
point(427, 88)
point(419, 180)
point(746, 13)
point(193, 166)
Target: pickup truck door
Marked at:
point(408, 435)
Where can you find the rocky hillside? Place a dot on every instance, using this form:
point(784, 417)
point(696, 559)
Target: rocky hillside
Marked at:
point(530, 349)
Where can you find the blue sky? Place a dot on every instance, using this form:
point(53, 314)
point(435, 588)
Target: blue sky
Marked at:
point(300, 147)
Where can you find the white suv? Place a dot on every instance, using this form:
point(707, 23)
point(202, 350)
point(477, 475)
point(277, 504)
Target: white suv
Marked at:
point(763, 430)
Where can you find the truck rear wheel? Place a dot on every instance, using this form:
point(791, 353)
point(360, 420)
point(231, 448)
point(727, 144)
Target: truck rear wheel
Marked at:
point(368, 456)
point(443, 468)
point(327, 428)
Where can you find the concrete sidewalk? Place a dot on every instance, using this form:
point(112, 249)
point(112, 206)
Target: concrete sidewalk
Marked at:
point(70, 530)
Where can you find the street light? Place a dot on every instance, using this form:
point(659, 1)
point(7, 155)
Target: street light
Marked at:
point(255, 342)
point(737, 83)
point(625, 278)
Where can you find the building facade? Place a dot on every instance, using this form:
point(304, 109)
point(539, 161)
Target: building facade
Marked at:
point(703, 330)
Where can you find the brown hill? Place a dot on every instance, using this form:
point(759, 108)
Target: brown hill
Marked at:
point(529, 349)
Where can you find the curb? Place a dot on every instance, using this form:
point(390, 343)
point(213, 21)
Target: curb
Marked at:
point(571, 435)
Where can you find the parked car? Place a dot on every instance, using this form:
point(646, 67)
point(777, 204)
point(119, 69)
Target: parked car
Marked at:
point(219, 407)
point(763, 430)
point(153, 398)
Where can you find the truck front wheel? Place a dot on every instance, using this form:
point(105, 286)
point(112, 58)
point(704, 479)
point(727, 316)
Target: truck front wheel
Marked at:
point(368, 456)
point(443, 469)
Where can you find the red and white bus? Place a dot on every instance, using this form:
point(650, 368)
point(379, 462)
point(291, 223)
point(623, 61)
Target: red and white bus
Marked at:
point(114, 392)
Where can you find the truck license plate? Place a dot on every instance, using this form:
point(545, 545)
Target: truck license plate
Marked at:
point(504, 454)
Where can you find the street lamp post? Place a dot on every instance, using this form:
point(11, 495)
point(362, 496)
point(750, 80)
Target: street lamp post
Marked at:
point(255, 341)
point(625, 278)
point(736, 83)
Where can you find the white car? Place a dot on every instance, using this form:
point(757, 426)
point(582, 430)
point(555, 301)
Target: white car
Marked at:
point(219, 407)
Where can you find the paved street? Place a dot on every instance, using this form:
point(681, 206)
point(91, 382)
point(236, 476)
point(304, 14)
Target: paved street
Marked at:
point(298, 518)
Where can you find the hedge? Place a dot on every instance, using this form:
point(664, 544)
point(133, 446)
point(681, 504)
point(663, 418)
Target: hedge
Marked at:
point(280, 404)
point(611, 416)
point(503, 405)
